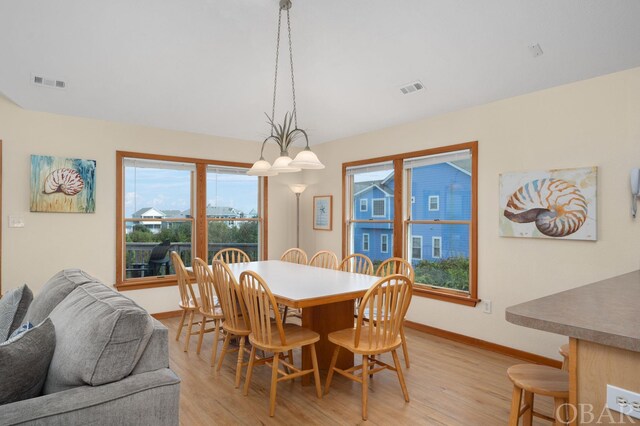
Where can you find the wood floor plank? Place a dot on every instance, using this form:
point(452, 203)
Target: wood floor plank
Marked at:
point(449, 384)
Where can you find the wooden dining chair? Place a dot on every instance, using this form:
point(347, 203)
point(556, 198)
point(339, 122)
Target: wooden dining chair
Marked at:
point(235, 322)
point(324, 259)
point(208, 308)
point(357, 263)
point(397, 265)
point(389, 299)
point(189, 303)
point(271, 335)
point(294, 255)
point(232, 255)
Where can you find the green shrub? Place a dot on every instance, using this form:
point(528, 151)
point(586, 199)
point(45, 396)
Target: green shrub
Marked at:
point(450, 273)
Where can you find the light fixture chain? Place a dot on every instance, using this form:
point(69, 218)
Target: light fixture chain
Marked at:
point(293, 84)
point(275, 78)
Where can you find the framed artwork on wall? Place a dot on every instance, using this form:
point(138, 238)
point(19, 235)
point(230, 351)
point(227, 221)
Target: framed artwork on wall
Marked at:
point(322, 212)
point(557, 204)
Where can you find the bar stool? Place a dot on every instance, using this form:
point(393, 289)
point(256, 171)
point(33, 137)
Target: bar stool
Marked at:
point(564, 351)
point(533, 379)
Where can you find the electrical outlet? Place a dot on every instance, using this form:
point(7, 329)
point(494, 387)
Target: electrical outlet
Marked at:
point(486, 306)
point(623, 401)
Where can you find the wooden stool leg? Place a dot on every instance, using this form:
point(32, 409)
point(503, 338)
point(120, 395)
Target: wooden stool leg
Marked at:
point(247, 379)
point(274, 385)
point(365, 385)
point(405, 350)
point(516, 400)
point(186, 341)
point(527, 417)
point(184, 315)
point(403, 385)
point(239, 364)
point(334, 359)
point(559, 411)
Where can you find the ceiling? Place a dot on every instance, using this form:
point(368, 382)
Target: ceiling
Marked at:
point(206, 66)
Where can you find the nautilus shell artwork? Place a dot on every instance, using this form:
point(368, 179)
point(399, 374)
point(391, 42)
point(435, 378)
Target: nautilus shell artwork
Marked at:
point(557, 207)
point(559, 203)
point(67, 181)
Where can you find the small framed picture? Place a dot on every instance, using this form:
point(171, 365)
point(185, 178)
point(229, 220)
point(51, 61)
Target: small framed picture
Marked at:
point(323, 212)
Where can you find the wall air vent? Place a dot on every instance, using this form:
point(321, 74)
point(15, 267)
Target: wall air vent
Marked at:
point(42, 81)
point(414, 87)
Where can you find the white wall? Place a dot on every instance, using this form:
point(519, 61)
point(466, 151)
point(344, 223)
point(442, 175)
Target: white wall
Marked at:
point(589, 123)
point(53, 241)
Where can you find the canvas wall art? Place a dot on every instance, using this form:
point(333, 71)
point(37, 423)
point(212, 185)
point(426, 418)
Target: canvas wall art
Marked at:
point(558, 204)
point(62, 185)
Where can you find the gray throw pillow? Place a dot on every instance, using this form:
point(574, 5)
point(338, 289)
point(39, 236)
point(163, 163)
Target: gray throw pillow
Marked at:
point(100, 336)
point(13, 307)
point(52, 293)
point(24, 361)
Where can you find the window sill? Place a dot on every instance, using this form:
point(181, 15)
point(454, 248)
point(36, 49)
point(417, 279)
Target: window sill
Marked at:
point(142, 283)
point(445, 296)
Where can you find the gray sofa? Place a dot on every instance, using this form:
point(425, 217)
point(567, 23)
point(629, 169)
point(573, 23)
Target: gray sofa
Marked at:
point(110, 365)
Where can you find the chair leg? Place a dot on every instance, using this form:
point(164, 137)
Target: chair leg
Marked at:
point(403, 385)
point(516, 400)
point(559, 413)
point(203, 325)
point(334, 359)
point(365, 385)
point(186, 341)
point(247, 379)
point(274, 385)
point(284, 317)
point(184, 314)
point(214, 350)
point(405, 350)
point(239, 364)
point(316, 371)
point(225, 348)
point(527, 417)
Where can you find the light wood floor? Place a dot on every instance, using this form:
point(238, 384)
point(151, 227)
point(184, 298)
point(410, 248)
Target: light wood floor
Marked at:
point(449, 384)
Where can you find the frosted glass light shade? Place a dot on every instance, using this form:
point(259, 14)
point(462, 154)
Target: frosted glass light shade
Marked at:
point(298, 188)
point(261, 168)
point(306, 159)
point(282, 165)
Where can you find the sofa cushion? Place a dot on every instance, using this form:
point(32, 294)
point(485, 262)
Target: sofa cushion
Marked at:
point(100, 337)
point(13, 307)
point(24, 361)
point(52, 293)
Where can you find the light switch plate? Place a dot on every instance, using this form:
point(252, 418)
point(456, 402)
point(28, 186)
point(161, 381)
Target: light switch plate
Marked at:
point(16, 222)
point(623, 401)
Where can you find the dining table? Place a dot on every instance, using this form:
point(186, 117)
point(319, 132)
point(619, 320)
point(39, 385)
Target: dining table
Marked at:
point(326, 297)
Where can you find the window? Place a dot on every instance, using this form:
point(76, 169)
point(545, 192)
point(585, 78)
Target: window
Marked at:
point(447, 270)
point(379, 207)
point(384, 243)
point(434, 203)
point(436, 247)
point(364, 205)
point(163, 207)
point(416, 248)
point(365, 242)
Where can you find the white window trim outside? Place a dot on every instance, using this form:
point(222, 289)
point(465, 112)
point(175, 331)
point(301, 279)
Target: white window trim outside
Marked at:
point(413, 238)
point(437, 198)
point(365, 237)
point(384, 204)
point(384, 239)
point(433, 247)
point(364, 203)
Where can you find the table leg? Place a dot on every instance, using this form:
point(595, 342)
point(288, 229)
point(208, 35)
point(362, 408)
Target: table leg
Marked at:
point(324, 319)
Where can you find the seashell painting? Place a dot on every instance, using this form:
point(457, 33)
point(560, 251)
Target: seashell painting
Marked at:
point(63, 185)
point(558, 204)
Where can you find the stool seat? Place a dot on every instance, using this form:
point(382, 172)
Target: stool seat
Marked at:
point(540, 379)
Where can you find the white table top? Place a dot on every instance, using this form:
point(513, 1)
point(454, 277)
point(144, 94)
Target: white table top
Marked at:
point(300, 286)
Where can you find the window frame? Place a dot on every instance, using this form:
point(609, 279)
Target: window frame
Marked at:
point(433, 247)
point(384, 207)
point(366, 205)
point(401, 220)
point(386, 238)
point(413, 237)
point(433, 197)
point(368, 241)
point(199, 220)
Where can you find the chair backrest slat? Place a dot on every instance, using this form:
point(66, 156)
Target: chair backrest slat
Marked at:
point(294, 255)
point(232, 255)
point(386, 304)
point(184, 283)
point(357, 263)
point(324, 259)
point(396, 265)
point(260, 303)
point(230, 296)
point(206, 284)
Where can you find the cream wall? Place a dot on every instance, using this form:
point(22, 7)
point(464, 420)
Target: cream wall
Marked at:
point(589, 123)
point(53, 241)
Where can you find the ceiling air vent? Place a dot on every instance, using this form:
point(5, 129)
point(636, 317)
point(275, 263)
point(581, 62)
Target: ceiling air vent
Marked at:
point(40, 80)
point(416, 86)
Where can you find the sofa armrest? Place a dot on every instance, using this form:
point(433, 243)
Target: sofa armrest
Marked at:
point(151, 398)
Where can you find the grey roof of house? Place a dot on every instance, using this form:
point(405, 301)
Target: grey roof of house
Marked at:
point(172, 213)
point(139, 212)
point(218, 211)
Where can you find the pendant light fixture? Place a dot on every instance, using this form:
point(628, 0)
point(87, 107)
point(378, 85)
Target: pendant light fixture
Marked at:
point(286, 133)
